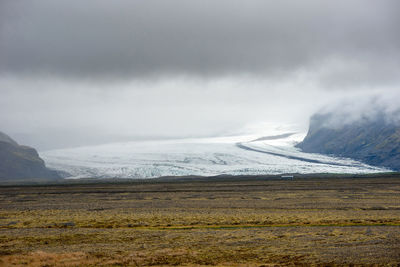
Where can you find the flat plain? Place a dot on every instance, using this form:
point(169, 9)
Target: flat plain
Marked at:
point(220, 222)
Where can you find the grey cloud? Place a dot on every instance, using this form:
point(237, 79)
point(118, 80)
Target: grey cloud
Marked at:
point(48, 113)
point(374, 106)
point(138, 39)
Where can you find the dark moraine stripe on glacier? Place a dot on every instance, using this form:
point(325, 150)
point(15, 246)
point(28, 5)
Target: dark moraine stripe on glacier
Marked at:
point(273, 137)
point(242, 146)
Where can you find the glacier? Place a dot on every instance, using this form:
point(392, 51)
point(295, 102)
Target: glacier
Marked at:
point(231, 155)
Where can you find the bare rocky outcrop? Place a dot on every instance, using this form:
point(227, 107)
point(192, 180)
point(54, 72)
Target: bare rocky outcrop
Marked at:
point(373, 140)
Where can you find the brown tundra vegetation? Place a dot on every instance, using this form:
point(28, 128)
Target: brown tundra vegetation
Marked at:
point(219, 222)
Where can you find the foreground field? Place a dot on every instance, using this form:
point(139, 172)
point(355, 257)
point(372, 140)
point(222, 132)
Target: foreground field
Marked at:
point(224, 223)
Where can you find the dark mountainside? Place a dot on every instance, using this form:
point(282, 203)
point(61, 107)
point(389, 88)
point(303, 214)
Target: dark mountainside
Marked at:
point(21, 162)
point(375, 141)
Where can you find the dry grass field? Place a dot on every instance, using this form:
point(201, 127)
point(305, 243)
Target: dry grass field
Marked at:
point(237, 222)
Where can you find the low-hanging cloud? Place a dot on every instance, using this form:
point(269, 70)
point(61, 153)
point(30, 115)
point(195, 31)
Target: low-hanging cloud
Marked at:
point(62, 114)
point(376, 106)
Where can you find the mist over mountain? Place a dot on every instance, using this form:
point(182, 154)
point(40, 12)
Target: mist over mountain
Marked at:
point(371, 135)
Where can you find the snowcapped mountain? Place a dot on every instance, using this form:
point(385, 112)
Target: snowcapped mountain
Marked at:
point(235, 155)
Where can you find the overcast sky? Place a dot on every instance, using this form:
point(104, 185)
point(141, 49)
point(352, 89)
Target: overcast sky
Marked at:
point(82, 72)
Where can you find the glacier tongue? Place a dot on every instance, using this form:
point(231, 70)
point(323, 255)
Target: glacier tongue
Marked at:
point(237, 155)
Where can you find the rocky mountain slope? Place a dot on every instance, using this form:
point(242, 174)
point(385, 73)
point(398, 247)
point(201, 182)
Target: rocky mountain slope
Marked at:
point(21, 162)
point(374, 140)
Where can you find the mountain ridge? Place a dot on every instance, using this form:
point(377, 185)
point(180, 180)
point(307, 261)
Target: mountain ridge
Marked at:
point(373, 140)
point(21, 162)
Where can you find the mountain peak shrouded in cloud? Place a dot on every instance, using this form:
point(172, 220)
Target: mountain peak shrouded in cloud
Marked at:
point(384, 108)
point(370, 133)
point(73, 72)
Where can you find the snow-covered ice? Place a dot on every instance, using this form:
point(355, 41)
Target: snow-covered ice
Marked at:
point(235, 155)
